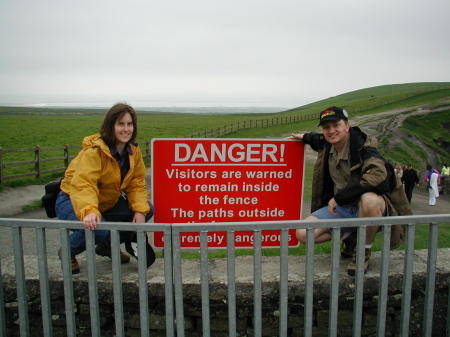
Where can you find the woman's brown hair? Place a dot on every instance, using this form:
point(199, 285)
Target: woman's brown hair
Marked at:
point(114, 114)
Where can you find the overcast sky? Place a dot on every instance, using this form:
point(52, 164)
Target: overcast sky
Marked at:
point(264, 53)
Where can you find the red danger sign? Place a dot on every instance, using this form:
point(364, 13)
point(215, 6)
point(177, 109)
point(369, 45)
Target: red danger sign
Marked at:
point(227, 180)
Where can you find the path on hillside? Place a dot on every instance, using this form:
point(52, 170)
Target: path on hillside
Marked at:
point(388, 124)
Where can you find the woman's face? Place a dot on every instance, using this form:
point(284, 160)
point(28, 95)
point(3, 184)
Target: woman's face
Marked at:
point(123, 130)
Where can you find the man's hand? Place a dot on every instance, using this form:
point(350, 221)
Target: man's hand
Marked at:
point(298, 136)
point(332, 206)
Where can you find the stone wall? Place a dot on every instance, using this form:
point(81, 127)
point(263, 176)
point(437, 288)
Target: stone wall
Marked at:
point(244, 297)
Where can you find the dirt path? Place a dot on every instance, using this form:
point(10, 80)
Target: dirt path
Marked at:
point(387, 124)
point(13, 199)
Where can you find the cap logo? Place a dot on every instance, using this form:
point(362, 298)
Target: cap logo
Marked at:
point(327, 113)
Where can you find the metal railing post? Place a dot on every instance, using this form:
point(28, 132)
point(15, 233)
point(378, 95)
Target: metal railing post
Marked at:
point(21, 281)
point(431, 280)
point(44, 282)
point(2, 305)
point(204, 281)
point(231, 276)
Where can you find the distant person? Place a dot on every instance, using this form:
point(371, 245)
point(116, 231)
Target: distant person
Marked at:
point(445, 170)
point(106, 181)
point(351, 180)
point(410, 179)
point(399, 171)
point(433, 180)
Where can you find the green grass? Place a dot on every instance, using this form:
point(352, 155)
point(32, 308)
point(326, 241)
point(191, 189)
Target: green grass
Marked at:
point(420, 242)
point(405, 152)
point(374, 95)
point(35, 205)
point(20, 182)
point(430, 129)
point(28, 127)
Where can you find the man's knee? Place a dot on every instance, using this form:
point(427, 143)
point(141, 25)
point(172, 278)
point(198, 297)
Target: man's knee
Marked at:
point(371, 204)
point(301, 235)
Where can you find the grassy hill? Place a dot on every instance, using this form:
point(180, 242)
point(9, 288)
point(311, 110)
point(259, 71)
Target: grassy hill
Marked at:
point(28, 127)
point(382, 92)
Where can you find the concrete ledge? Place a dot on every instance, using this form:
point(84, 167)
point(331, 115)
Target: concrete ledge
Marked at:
point(218, 268)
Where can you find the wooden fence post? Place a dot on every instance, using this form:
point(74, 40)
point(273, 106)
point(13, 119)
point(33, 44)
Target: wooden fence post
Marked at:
point(66, 156)
point(37, 165)
point(1, 166)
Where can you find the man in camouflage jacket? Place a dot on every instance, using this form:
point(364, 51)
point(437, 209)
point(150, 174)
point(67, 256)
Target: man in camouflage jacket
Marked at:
point(351, 179)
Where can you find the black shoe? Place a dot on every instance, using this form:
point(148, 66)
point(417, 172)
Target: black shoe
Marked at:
point(73, 262)
point(350, 245)
point(104, 250)
point(130, 240)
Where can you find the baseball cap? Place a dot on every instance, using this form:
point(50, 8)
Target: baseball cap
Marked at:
point(333, 114)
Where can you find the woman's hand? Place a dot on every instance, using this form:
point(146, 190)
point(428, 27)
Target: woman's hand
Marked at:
point(298, 136)
point(90, 221)
point(139, 217)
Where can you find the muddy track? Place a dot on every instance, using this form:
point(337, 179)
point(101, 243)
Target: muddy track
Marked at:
point(387, 125)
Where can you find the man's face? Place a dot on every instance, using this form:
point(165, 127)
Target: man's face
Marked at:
point(336, 132)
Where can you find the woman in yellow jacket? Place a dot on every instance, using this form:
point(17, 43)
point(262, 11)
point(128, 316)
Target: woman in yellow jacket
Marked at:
point(106, 180)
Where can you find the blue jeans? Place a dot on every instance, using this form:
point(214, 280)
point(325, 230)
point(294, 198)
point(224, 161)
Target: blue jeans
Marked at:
point(343, 213)
point(121, 212)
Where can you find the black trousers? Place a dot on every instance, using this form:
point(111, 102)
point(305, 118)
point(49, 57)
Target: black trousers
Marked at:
point(409, 190)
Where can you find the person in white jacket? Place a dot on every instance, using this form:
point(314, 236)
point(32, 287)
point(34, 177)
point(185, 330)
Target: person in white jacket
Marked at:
point(432, 177)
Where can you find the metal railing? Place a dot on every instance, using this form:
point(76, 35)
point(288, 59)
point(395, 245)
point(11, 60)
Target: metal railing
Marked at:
point(174, 306)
